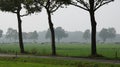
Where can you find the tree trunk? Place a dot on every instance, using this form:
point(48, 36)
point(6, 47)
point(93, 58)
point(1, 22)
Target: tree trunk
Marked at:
point(93, 34)
point(20, 32)
point(52, 33)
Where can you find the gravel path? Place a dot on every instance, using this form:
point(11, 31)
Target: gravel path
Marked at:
point(65, 58)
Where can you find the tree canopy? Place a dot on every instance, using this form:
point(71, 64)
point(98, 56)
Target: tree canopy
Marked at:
point(87, 4)
point(60, 33)
point(86, 34)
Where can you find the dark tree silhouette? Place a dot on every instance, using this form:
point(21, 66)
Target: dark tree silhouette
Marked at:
point(91, 6)
point(51, 6)
point(14, 6)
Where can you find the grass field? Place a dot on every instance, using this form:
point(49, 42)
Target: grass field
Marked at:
point(65, 49)
point(40, 62)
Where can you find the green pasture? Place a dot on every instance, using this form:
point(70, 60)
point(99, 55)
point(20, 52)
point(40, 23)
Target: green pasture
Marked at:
point(64, 49)
point(47, 62)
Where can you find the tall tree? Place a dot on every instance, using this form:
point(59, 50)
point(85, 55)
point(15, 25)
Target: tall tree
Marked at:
point(60, 33)
point(91, 6)
point(86, 34)
point(14, 6)
point(51, 6)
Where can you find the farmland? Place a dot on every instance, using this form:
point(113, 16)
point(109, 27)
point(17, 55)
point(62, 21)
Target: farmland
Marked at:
point(111, 51)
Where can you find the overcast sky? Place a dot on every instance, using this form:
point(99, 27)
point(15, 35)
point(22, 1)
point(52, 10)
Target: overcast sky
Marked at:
point(71, 19)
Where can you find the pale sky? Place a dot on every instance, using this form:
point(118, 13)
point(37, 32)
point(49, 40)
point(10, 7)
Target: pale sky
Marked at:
point(71, 19)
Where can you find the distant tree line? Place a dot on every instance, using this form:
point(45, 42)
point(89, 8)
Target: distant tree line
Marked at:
point(33, 37)
point(12, 35)
point(59, 34)
point(104, 34)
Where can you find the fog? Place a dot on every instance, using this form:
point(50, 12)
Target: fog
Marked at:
point(70, 19)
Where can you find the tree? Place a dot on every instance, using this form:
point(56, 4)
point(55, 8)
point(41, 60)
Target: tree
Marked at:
point(12, 34)
point(33, 35)
point(9, 33)
point(51, 6)
point(14, 6)
point(1, 33)
point(103, 34)
point(111, 33)
point(86, 34)
point(60, 33)
point(91, 6)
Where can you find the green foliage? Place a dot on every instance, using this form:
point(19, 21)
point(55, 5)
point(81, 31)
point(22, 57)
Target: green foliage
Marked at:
point(32, 7)
point(10, 5)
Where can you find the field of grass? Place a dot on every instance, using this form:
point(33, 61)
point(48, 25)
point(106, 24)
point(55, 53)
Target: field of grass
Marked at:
point(40, 62)
point(65, 49)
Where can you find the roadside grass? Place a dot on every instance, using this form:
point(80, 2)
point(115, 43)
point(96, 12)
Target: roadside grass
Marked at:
point(45, 62)
point(111, 51)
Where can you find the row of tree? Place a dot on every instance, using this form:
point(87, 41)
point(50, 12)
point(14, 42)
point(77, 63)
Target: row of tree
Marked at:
point(33, 6)
point(59, 34)
point(104, 34)
point(12, 34)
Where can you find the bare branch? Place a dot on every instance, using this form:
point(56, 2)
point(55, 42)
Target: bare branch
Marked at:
point(102, 4)
point(24, 15)
point(74, 4)
point(56, 8)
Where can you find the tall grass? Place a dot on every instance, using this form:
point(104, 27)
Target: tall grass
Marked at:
point(64, 49)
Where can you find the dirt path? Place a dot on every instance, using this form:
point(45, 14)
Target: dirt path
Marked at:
point(65, 58)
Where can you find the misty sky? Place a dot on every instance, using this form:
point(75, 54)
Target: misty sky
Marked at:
point(71, 19)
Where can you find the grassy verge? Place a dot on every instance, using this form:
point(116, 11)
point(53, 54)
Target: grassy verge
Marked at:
point(39, 62)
